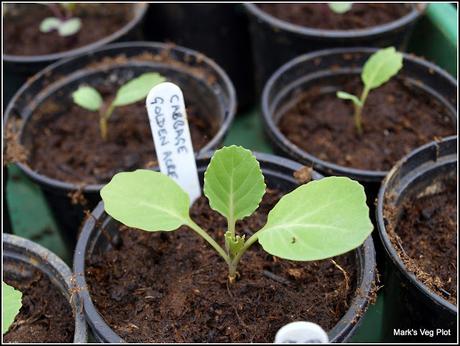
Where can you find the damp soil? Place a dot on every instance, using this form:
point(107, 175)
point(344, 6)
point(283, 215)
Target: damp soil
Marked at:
point(45, 316)
point(64, 140)
point(397, 118)
point(320, 16)
point(23, 37)
point(172, 287)
point(426, 238)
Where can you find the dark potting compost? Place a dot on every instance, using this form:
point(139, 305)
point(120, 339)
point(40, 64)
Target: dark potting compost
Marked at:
point(426, 238)
point(172, 287)
point(320, 16)
point(23, 36)
point(45, 316)
point(64, 140)
point(397, 118)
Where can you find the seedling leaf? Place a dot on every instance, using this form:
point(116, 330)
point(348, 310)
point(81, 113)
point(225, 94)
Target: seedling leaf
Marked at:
point(346, 96)
point(380, 67)
point(11, 304)
point(234, 183)
point(137, 89)
point(49, 24)
point(235, 243)
point(88, 98)
point(147, 200)
point(321, 219)
point(69, 27)
point(340, 7)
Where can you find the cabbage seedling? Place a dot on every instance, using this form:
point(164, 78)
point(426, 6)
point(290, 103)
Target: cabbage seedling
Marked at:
point(11, 303)
point(63, 22)
point(378, 69)
point(318, 220)
point(133, 91)
point(340, 7)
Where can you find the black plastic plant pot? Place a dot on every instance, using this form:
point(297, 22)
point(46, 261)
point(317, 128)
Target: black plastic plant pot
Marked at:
point(21, 257)
point(276, 41)
point(221, 33)
point(328, 69)
point(201, 80)
point(278, 174)
point(18, 69)
point(410, 304)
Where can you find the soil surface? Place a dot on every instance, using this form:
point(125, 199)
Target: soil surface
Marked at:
point(22, 35)
point(66, 143)
point(320, 16)
point(427, 231)
point(45, 316)
point(397, 118)
point(172, 286)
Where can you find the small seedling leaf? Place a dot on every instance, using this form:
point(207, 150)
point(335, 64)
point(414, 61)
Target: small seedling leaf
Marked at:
point(137, 89)
point(234, 183)
point(340, 7)
point(69, 27)
point(11, 304)
point(346, 96)
point(234, 243)
point(49, 24)
point(318, 220)
point(147, 200)
point(381, 66)
point(88, 98)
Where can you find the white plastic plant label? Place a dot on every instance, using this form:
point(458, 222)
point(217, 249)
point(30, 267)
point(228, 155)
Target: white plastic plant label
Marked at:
point(171, 135)
point(301, 332)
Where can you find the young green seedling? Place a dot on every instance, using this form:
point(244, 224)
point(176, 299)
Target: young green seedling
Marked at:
point(11, 303)
point(340, 7)
point(378, 69)
point(318, 220)
point(63, 20)
point(133, 91)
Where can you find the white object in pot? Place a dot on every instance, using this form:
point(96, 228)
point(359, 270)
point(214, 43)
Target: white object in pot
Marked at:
point(171, 135)
point(301, 332)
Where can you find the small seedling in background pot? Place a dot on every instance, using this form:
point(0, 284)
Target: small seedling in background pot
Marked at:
point(133, 91)
point(318, 220)
point(340, 7)
point(378, 69)
point(63, 21)
point(11, 303)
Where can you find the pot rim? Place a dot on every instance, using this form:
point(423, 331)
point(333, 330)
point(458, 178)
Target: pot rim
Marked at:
point(11, 243)
point(324, 34)
point(390, 249)
point(343, 328)
point(139, 9)
point(300, 154)
point(218, 137)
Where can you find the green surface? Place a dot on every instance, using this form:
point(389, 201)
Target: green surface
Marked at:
point(435, 37)
point(30, 216)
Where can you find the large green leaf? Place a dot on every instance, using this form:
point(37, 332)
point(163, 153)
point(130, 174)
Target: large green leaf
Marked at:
point(88, 98)
point(381, 66)
point(137, 89)
point(147, 200)
point(11, 303)
point(234, 183)
point(321, 219)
